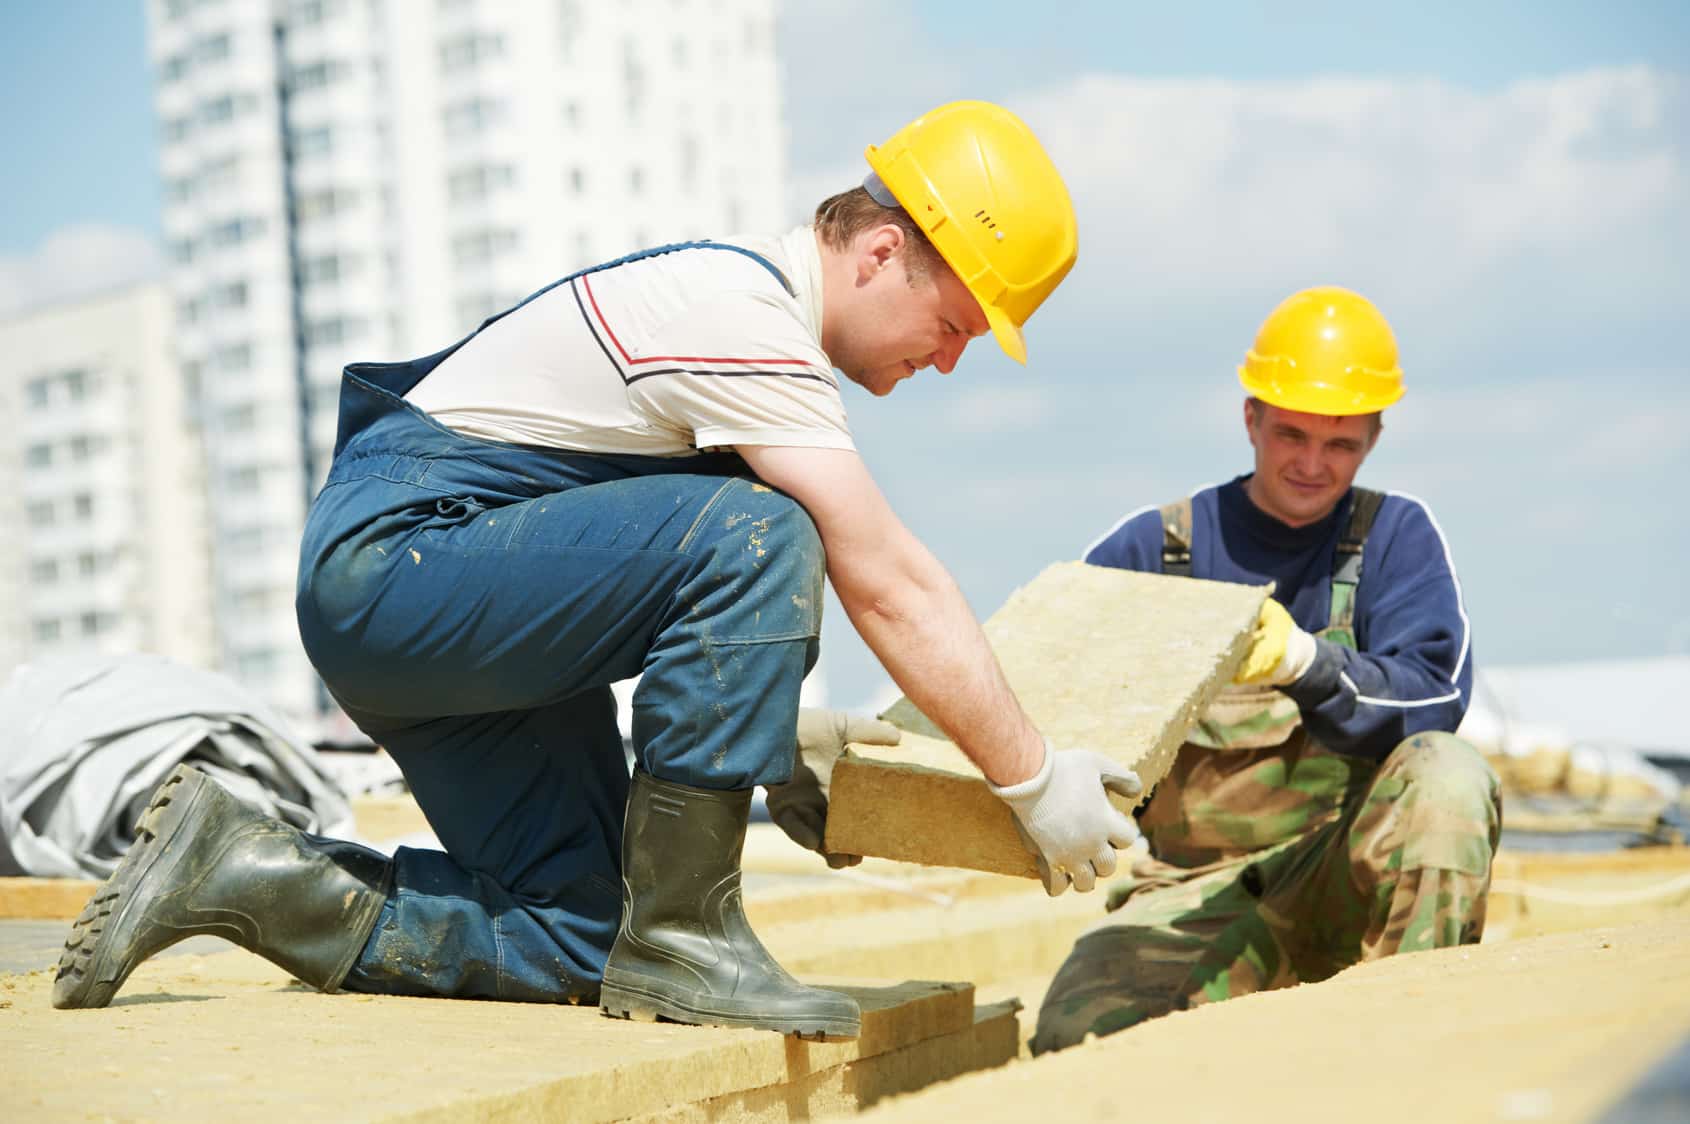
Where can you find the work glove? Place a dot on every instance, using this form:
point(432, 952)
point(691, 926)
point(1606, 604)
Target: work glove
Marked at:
point(1066, 820)
point(1280, 652)
point(800, 805)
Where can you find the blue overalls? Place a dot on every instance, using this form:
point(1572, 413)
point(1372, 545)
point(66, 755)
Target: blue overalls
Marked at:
point(468, 603)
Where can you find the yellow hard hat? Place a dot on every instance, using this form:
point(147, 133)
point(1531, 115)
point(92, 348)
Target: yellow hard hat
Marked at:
point(975, 178)
point(1324, 351)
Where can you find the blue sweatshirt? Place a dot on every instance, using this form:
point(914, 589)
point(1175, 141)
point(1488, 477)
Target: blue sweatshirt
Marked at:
point(1413, 671)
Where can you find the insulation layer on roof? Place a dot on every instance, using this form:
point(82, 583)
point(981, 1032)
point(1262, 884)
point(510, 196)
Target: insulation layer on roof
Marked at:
point(1110, 660)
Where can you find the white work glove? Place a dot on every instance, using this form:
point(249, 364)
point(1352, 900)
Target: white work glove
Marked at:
point(1066, 819)
point(1280, 652)
point(800, 805)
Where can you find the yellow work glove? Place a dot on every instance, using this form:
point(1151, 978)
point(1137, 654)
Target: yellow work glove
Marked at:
point(1280, 652)
point(800, 805)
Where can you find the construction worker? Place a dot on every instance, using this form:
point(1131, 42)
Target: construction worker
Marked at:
point(639, 470)
point(1322, 812)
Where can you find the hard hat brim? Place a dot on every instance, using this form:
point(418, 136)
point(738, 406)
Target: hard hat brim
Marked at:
point(1007, 332)
point(1324, 399)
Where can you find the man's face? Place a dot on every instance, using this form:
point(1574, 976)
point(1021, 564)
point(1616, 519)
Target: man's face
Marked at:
point(898, 326)
point(1305, 462)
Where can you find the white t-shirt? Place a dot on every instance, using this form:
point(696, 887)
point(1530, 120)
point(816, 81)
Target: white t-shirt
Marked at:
point(695, 349)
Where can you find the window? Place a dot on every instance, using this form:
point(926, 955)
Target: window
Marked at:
point(44, 571)
point(177, 128)
point(633, 78)
point(94, 623)
point(182, 250)
point(577, 180)
point(316, 75)
point(471, 116)
point(316, 140)
point(235, 231)
point(255, 667)
point(473, 308)
point(35, 393)
point(215, 48)
point(252, 602)
point(179, 189)
point(83, 505)
point(332, 330)
point(217, 110)
point(323, 203)
point(689, 162)
point(471, 50)
point(241, 418)
point(569, 27)
point(241, 481)
point(40, 513)
point(479, 246)
point(245, 541)
point(478, 181)
point(76, 384)
point(39, 455)
point(83, 447)
point(173, 68)
point(636, 180)
point(46, 630)
point(87, 564)
point(231, 295)
point(234, 357)
point(220, 174)
point(325, 269)
point(308, 13)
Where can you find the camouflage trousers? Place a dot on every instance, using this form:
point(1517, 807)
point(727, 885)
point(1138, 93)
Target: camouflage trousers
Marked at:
point(1281, 866)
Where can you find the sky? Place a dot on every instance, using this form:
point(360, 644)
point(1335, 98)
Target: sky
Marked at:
point(1509, 182)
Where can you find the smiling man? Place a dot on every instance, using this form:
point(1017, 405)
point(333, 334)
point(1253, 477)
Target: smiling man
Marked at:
point(641, 470)
point(1322, 812)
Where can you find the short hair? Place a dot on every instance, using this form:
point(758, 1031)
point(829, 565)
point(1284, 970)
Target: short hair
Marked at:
point(840, 218)
point(1377, 417)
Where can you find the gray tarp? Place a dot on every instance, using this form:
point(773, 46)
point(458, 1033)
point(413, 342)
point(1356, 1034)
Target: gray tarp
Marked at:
point(85, 740)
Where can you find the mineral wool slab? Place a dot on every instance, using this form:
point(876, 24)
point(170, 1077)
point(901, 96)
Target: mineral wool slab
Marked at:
point(1111, 660)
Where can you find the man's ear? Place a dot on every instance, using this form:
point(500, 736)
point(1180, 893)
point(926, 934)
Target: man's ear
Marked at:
point(1378, 430)
point(879, 247)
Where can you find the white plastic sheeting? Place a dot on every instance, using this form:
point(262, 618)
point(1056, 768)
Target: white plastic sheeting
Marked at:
point(84, 741)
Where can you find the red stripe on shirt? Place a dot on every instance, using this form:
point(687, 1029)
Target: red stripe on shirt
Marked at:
point(632, 362)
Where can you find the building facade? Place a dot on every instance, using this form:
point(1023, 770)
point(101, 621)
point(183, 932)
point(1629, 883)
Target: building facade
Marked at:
point(104, 474)
point(368, 179)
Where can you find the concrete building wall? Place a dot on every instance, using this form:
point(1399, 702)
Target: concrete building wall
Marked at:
point(368, 179)
point(111, 554)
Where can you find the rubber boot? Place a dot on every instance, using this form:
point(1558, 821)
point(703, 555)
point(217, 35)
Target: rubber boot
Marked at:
point(685, 951)
point(203, 862)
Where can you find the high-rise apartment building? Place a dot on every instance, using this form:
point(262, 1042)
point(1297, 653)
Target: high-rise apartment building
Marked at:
point(368, 179)
point(101, 470)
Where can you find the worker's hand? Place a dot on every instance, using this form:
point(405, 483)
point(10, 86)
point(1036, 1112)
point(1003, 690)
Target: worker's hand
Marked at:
point(1066, 819)
point(800, 805)
point(1280, 652)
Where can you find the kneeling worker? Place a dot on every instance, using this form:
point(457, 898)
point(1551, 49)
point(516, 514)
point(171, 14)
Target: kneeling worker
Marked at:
point(640, 470)
point(1322, 812)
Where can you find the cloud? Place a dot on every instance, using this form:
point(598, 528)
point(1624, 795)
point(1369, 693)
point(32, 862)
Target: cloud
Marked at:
point(76, 261)
point(1419, 189)
point(1494, 226)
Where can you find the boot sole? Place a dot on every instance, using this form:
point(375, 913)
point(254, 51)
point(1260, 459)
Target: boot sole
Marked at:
point(627, 1000)
point(86, 977)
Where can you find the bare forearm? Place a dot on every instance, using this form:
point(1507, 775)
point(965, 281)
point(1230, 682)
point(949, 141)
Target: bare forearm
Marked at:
point(926, 637)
